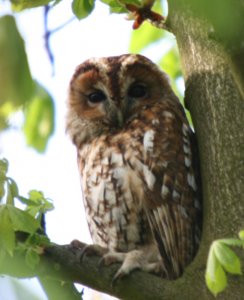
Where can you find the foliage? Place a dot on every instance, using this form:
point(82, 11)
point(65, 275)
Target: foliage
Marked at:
point(39, 119)
point(21, 229)
point(16, 87)
point(82, 8)
point(144, 36)
point(222, 260)
point(20, 92)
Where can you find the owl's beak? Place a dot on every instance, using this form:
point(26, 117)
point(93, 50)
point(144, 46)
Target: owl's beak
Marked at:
point(116, 113)
point(120, 118)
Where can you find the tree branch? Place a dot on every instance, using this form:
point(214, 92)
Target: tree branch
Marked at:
point(48, 32)
point(62, 263)
point(60, 267)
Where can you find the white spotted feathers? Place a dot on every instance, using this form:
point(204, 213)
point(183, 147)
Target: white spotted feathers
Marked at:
point(138, 164)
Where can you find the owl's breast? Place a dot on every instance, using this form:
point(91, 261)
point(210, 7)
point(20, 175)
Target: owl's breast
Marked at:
point(113, 190)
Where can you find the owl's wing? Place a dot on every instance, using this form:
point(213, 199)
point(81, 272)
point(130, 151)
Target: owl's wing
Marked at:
point(171, 199)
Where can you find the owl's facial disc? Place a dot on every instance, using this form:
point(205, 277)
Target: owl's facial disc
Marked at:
point(113, 115)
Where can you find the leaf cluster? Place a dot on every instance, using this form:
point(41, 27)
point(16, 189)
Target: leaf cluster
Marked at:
point(21, 230)
point(19, 91)
point(222, 260)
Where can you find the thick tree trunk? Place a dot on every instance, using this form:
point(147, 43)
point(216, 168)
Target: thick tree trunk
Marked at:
point(217, 110)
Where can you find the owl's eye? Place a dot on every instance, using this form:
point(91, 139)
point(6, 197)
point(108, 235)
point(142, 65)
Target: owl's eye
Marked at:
point(96, 97)
point(137, 91)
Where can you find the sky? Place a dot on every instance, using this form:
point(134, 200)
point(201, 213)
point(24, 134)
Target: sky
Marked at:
point(55, 172)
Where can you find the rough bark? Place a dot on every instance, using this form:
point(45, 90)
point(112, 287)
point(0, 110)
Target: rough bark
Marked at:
point(217, 110)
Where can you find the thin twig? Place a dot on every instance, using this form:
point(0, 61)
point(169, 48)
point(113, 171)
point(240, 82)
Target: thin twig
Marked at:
point(47, 37)
point(48, 33)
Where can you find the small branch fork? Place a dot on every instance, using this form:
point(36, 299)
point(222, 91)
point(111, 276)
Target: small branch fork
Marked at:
point(138, 13)
point(141, 14)
point(48, 33)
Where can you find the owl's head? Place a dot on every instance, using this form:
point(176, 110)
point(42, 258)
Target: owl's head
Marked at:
point(106, 92)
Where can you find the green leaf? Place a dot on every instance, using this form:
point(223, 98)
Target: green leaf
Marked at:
point(13, 187)
point(26, 200)
point(118, 6)
point(16, 84)
point(7, 236)
point(21, 220)
point(170, 63)
point(36, 196)
point(146, 34)
point(40, 240)
point(2, 253)
point(3, 172)
point(18, 5)
point(4, 123)
point(142, 37)
point(115, 6)
point(232, 242)
point(32, 258)
point(2, 189)
point(215, 276)
point(227, 258)
point(38, 203)
point(241, 234)
point(39, 119)
point(3, 166)
point(10, 197)
point(82, 8)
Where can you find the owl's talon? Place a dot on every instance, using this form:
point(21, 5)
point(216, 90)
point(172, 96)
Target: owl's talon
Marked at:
point(83, 253)
point(88, 250)
point(144, 259)
point(101, 264)
point(76, 244)
point(119, 275)
point(115, 279)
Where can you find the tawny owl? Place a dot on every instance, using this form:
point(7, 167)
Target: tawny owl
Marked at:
point(137, 162)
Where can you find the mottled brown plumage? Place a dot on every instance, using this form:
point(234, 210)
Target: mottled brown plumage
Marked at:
point(135, 155)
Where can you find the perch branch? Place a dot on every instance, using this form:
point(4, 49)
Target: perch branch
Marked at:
point(62, 263)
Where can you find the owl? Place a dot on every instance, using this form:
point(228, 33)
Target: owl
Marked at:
point(138, 164)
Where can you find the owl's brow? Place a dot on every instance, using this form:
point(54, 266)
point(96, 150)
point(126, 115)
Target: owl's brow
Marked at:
point(84, 68)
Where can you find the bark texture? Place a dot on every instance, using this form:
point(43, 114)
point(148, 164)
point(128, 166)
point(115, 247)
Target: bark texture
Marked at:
point(217, 110)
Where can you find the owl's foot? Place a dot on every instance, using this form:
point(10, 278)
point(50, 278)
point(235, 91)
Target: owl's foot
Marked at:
point(139, 259)
point(93, 250)
point(88, 250)
point(146, 259)
point(76, 244)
